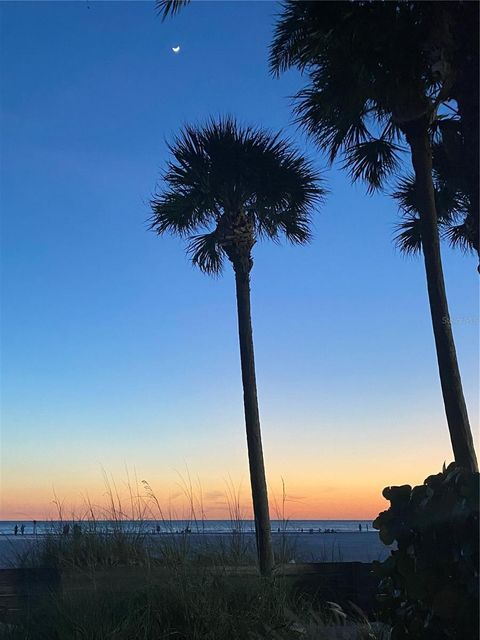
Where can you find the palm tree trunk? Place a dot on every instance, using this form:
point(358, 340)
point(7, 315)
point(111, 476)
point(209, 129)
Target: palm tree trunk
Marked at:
point(454, 401)
point(252, 422)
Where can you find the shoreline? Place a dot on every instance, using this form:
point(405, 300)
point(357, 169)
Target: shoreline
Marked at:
point(342, 546)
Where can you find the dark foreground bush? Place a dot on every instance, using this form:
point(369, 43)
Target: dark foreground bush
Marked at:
point(429, 586)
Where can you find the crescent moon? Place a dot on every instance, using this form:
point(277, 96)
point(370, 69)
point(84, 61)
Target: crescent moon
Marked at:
point(176, 49)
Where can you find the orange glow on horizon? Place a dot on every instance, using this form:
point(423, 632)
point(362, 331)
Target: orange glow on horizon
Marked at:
point(318, 483)
point(302, 501)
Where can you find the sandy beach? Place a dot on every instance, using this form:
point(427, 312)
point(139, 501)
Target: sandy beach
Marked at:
point(301, 547)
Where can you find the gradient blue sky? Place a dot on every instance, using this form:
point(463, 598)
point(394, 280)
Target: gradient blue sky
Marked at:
point(116, 351)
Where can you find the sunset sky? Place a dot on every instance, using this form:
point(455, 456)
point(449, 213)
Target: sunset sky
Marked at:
point(117, 354)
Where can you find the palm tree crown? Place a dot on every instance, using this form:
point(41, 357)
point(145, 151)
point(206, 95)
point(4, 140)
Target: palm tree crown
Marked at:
point(237, 184)
point(375, 67)
point(372, 67)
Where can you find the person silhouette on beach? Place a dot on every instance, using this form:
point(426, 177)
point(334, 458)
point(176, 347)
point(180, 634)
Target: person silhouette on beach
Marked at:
point(34, 527)
point(22, 529)
point(15, 529)
point(360, 527)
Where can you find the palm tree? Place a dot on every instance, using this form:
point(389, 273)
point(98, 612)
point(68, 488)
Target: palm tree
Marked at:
point(237, 184)
point(378, 73)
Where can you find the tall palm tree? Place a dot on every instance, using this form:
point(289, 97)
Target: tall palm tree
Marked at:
point(237, 184)
point(378, 73)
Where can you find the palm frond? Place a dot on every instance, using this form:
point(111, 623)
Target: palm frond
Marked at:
point(332, 112)
point(463, 236)
point(287, 191)
point(169, 7)
point(450, 204)
point(302, 30)
point(289, 36)
point(406, 195)
point(408, 237)
point(452, 167)
point(458, 237)
point(178, 212)
point(391, 131)
point(372, 161)
point(297, 229)
point(206, 253)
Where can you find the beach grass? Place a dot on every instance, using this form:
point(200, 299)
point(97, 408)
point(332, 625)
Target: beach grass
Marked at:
point(188, 605)
point(123, 583)
point(120, 531)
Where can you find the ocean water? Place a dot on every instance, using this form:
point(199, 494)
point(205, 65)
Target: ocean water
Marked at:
point(176, 526)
